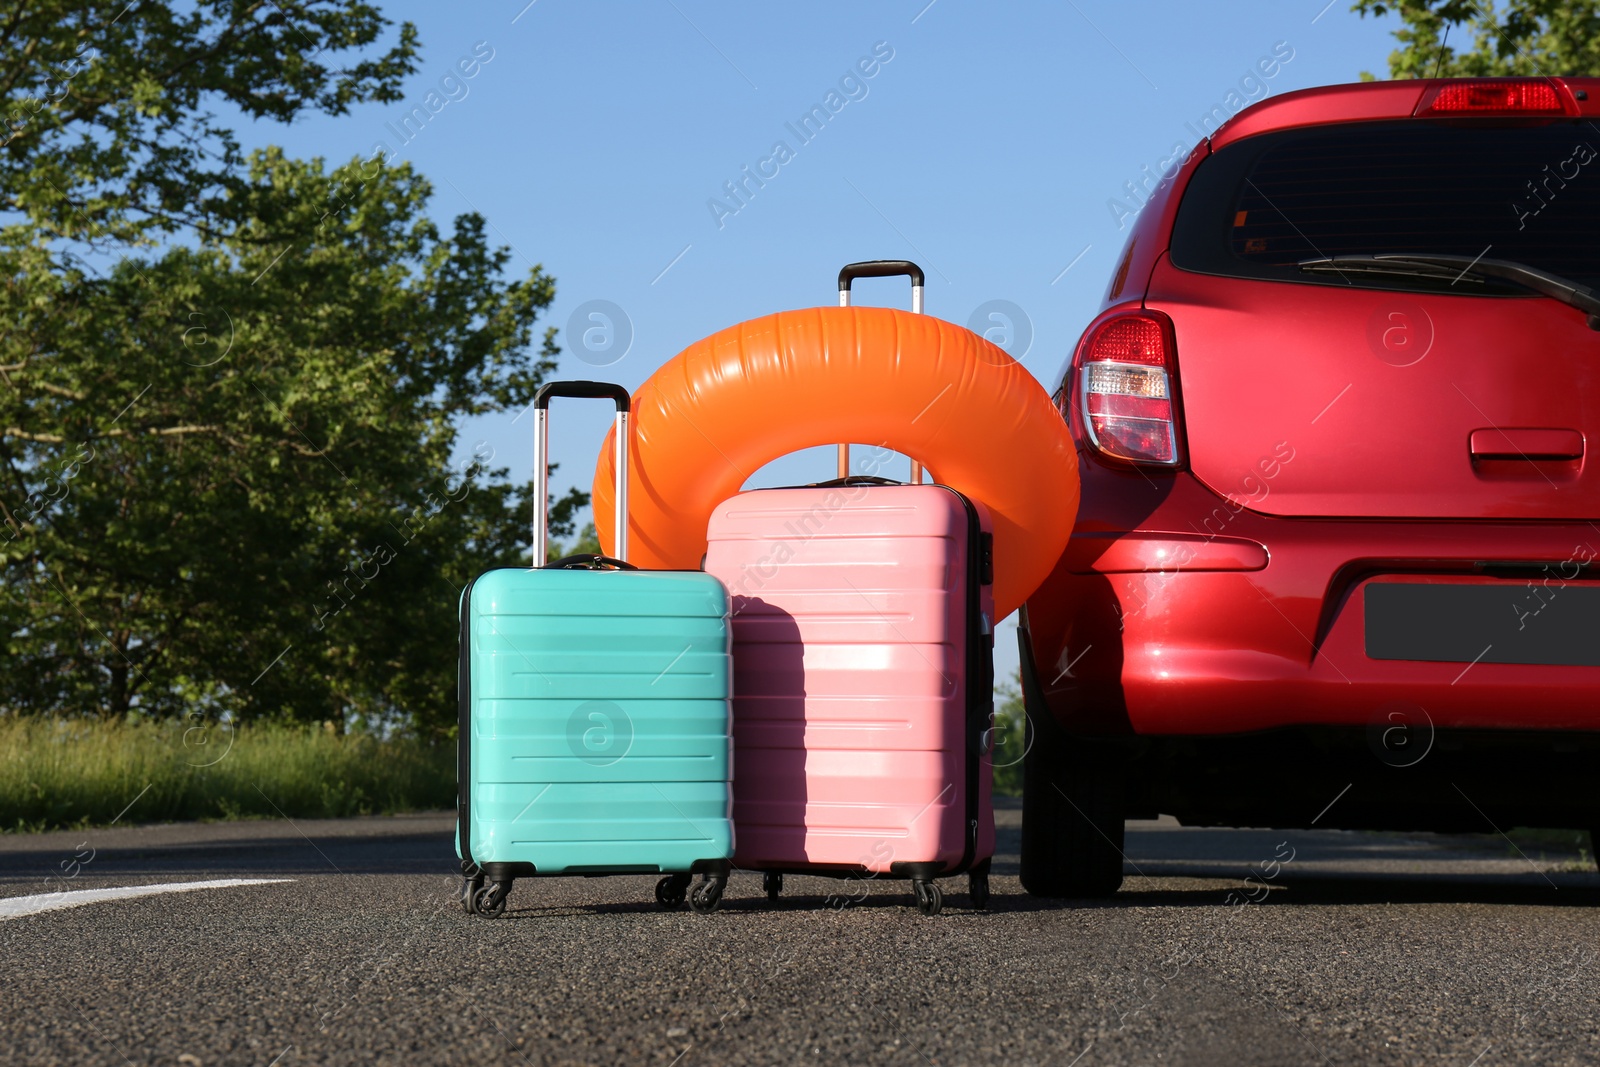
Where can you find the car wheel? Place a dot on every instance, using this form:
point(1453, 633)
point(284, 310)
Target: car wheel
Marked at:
point(1072, 813)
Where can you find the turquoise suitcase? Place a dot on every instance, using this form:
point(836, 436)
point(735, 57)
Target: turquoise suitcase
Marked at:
point(595, 715)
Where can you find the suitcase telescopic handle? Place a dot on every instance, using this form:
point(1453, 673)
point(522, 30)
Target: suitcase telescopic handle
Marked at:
point(541, 458)
point(880, 268)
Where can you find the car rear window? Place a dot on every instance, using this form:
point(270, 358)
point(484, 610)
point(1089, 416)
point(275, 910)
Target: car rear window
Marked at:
point(1528, 192)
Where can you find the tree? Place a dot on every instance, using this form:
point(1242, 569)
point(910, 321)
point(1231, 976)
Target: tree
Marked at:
point(234, 458)
point(1011, 736)
point(1525, 37)
point(107, 127)
point(224, 457)
point(588, 538)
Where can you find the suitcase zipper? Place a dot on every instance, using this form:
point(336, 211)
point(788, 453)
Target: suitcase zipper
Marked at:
point(464, 734)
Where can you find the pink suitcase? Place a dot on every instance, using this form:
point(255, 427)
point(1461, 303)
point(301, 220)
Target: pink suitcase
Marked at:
point(863, 679)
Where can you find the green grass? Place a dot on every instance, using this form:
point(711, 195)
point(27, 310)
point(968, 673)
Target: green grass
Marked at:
point(60, 773)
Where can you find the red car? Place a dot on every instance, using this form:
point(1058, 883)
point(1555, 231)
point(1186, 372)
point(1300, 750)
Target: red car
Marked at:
point(1335, 561)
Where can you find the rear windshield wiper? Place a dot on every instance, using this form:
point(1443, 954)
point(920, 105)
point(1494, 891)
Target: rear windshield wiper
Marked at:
point(1435, 267)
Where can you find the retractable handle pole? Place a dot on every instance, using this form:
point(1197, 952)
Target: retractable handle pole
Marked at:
point(541, 459)
point(880, 268)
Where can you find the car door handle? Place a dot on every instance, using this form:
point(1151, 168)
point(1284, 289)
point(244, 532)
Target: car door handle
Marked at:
point(1526, 443)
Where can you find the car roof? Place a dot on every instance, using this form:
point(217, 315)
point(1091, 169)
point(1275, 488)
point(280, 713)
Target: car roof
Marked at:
point(1386, 100)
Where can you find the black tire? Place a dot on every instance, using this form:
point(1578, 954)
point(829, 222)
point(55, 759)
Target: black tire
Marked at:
point(490, 901)
point(978, 890)
point(671, 891)
point(469, 893)
point(930, 898)
point(705, 897)
point(772, 882)
point(1073, 807)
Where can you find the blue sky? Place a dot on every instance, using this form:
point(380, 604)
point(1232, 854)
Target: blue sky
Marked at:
point(990, 144)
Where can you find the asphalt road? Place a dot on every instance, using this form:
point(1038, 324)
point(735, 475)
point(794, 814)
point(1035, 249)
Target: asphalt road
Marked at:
point(1352, 949)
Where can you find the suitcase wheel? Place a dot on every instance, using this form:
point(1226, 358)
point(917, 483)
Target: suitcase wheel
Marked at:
point(978, 889)
point(671, 891)
point(930, 898)
point(469, 894)
point(490, 900)
point(706, 895)
point(772, 882)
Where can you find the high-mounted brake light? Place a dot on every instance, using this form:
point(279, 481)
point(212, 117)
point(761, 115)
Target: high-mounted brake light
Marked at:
point(1520, 96)
point(1124, 371)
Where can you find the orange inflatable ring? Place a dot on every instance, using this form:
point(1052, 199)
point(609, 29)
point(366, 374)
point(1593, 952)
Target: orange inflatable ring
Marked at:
point(725, 406)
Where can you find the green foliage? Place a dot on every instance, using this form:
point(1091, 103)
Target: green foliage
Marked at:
point(587, 541)
point(85, 773)
point(225, 459)
point(108, 129)
point(1522, 37)
point(238, 449)
point(1010, 737)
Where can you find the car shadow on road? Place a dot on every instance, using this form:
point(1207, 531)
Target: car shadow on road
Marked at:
point(1519, 890)
point(1336, 892)
point(883, 899)
point(1215, 891)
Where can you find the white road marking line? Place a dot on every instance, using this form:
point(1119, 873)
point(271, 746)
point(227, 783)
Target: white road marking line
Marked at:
point(17, 907)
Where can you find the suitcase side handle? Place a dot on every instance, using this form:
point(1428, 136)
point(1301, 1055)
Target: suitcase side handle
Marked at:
point(853, 480)
point(589, 561)
point(583, 390)
point(880, 268)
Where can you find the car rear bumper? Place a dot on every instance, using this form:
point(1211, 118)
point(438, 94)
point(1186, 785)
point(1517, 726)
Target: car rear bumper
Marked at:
point(1205, 620)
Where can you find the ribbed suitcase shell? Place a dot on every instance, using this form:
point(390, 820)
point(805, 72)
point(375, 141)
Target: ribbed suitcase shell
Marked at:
point(645, 787)
point(852, 671)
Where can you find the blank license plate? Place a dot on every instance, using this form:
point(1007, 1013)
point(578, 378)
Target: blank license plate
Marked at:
point(1555, 625)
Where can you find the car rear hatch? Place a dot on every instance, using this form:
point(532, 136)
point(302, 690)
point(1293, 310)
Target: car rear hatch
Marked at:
point(1317, 380)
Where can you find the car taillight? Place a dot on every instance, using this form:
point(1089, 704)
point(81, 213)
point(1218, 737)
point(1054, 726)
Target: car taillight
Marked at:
point(1125, 374)
point(1493, 97)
